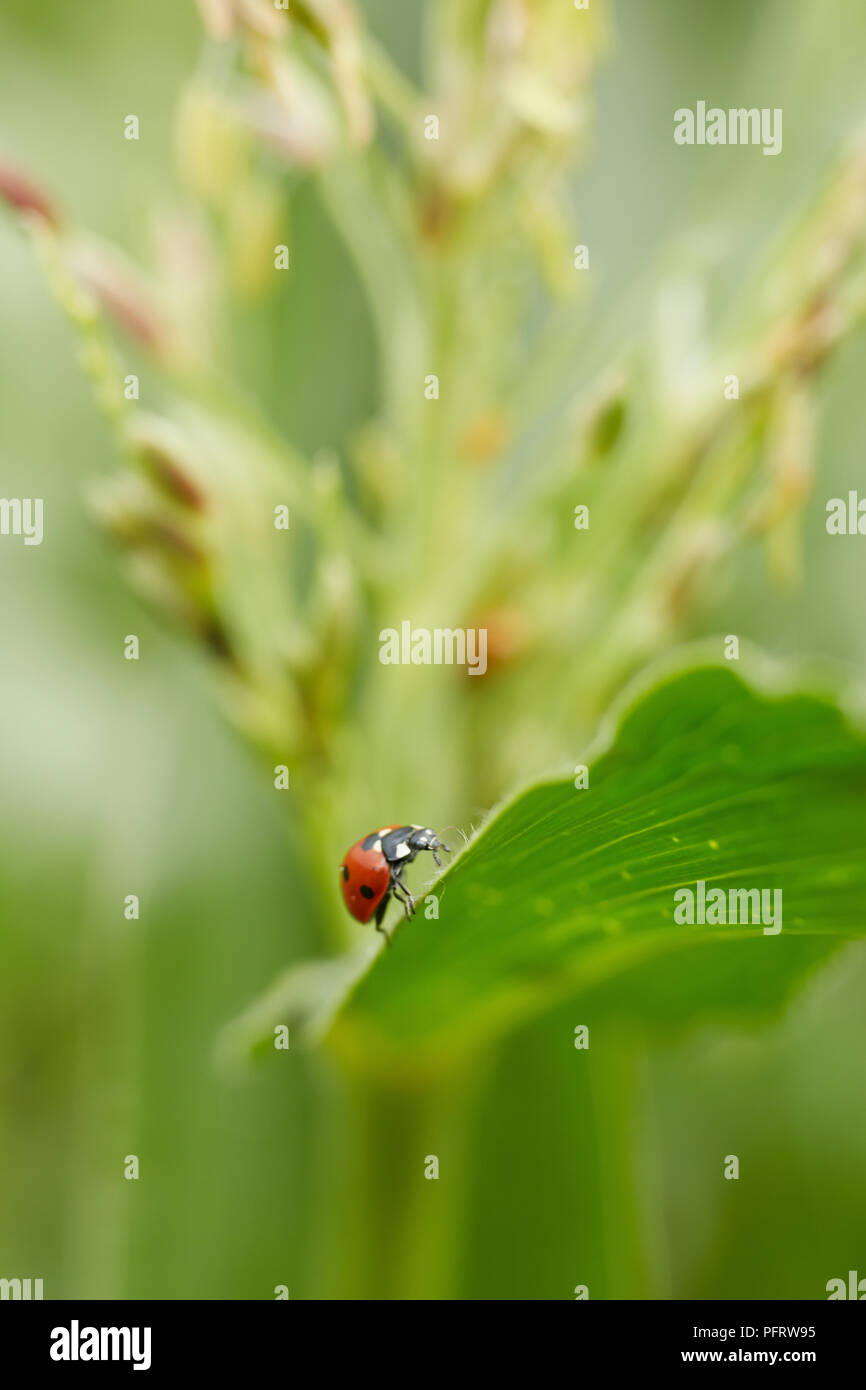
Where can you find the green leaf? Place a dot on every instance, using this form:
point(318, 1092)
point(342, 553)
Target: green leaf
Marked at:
point(569, 894)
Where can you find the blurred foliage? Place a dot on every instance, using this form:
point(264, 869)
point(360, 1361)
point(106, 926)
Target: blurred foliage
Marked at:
point(306, 388)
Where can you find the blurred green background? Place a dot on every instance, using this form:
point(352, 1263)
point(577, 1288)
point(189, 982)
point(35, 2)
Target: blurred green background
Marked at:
point(120, 777)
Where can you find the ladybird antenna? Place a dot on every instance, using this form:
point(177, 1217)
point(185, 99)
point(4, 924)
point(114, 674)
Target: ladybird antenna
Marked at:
point(459, 832)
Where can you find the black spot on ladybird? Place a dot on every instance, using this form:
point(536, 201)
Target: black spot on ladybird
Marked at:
point(366, 891)
point(345, 872)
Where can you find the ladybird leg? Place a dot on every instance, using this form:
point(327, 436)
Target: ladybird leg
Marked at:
point(410, 901)
point(380, 913)
point(402, 892)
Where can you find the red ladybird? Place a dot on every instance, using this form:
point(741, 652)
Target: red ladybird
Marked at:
point(373, 869)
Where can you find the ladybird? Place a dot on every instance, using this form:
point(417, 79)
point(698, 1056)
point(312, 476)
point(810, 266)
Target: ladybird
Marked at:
point(373, 869)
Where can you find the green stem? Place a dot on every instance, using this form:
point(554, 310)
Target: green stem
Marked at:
point(399, 1234)
point(630, 1241)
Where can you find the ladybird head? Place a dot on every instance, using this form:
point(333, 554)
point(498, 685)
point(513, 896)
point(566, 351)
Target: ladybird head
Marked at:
point(423, 837)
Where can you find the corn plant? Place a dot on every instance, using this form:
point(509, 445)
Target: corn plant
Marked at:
point(579, 518)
